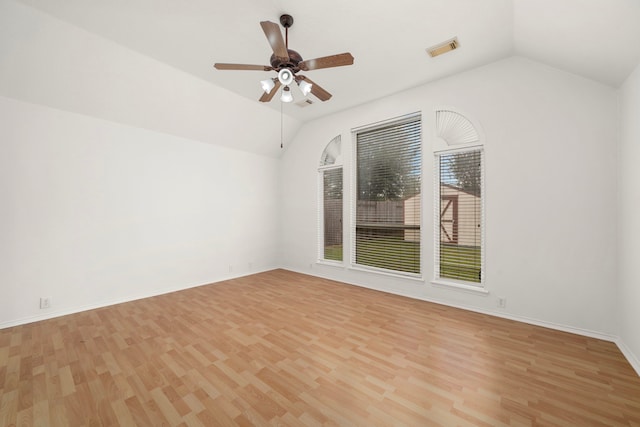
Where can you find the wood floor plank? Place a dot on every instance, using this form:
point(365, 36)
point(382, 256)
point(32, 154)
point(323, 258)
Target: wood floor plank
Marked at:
point(282, 348)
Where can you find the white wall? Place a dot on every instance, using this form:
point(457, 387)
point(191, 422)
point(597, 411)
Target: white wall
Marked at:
point(94, 209)
point(629, 220)
point(93, 212)
point(550, 192)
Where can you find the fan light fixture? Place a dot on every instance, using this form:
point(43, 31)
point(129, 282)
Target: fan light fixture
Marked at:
point(267, 85)
point(287, 63)
point(285, 76)
point(286, 95)
point(305, 87)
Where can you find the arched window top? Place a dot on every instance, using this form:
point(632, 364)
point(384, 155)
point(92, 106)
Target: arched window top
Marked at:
point(455, 129)
point(332, 154)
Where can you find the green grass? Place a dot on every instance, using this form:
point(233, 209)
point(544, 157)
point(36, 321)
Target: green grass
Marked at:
point(389, 253)
point(460, 262)
point(333, 253)
point(401, 255)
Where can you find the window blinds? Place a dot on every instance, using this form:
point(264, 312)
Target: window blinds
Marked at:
point(460, 223)
point(332, 214)
point(387, 209)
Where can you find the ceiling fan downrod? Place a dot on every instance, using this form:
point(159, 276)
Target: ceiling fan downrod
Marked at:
point(286, 21)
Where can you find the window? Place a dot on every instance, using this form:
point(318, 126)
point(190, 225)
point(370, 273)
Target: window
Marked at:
point(386, 212)
point(330, 216)
point(459, 216)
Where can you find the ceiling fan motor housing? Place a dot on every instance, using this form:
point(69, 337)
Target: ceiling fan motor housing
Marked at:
point(294, 60)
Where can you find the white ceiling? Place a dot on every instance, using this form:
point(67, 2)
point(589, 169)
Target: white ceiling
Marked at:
point(598, 39)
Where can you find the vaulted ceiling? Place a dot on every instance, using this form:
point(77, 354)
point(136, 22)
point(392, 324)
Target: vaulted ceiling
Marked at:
point(597, 39)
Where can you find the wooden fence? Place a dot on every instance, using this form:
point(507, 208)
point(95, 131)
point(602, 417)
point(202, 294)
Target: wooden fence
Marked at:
point(373, 217)
point(332, 222)
point(371, 211)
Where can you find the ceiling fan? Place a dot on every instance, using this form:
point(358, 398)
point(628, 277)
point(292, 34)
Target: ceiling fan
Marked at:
point(288, 63)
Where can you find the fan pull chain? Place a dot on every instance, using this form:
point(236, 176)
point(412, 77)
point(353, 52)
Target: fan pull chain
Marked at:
point(281, 127)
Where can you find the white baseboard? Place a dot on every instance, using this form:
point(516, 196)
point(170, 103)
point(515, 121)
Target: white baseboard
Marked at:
point(72, 310)
point(536, 322)
point(632, 358)
point(517, 318)
point(626, 352)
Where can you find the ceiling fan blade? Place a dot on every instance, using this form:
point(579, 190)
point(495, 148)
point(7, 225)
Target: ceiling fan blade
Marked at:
point(327, 62)
point(274, 36)
point(221, 66)
point(266, 97)
point(316, 90)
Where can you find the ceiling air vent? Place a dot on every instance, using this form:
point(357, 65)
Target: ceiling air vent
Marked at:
point(444, 47)
point(304, 103)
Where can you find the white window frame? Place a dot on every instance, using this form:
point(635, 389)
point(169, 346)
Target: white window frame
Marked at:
point(338, 164)
point(448, 282)
point(354, 199)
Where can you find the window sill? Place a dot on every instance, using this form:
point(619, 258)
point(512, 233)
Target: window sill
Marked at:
point(399, 275)
point(478, 290)
point(330, 263)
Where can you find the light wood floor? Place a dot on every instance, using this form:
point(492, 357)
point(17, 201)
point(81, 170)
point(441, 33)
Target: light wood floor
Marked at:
point(281, 348)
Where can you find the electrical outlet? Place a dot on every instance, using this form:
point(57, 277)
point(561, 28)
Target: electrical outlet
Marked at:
point(502, 302)
point(45, 302)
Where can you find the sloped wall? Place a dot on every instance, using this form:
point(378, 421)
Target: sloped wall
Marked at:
point(46, 61)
